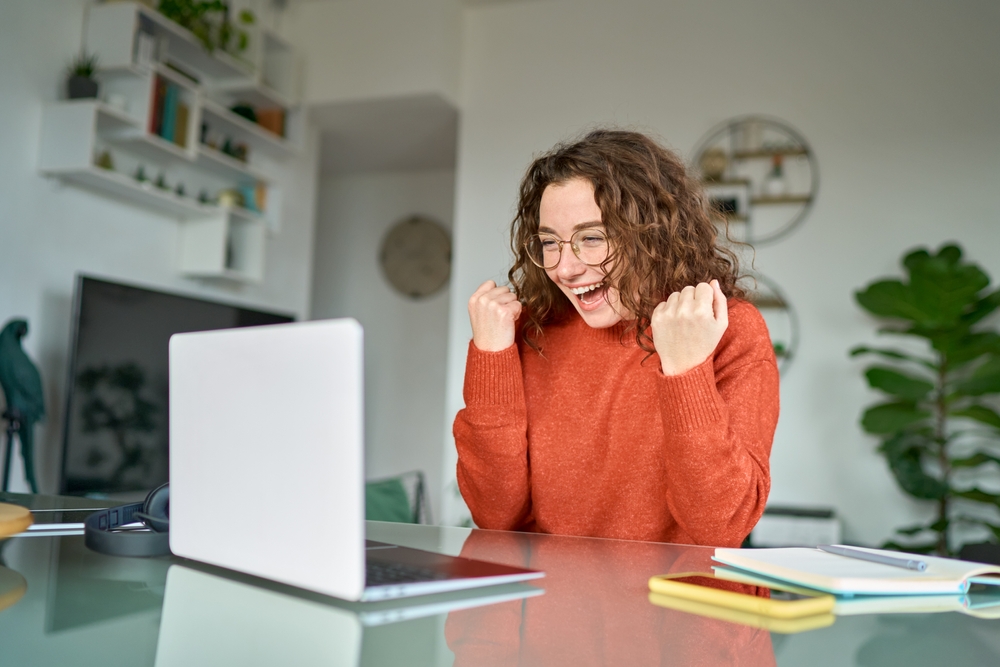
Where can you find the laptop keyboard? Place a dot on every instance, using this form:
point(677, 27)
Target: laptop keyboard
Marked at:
point(383, 574)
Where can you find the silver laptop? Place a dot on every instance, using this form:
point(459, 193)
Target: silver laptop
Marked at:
point(267, 465)
point(211, 619)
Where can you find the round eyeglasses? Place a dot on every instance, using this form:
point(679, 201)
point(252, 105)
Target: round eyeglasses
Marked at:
point(589, 245)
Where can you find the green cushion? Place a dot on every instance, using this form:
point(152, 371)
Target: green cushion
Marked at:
point(387, 501)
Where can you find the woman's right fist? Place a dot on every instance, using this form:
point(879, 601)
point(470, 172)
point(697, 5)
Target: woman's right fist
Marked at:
point(493, 311)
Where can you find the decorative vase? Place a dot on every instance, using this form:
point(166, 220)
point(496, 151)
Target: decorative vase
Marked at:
point(775, 185)
point(80, 87)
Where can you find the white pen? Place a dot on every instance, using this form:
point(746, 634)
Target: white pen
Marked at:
point(847, 552)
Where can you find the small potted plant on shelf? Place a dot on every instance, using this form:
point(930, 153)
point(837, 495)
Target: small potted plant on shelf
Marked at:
point(210, 22)
point(80, 82)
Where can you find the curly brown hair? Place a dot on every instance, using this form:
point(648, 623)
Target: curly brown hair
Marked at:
point(662, 237)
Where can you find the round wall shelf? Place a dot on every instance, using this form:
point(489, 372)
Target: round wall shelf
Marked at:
point(780, 316)
point(760, 175)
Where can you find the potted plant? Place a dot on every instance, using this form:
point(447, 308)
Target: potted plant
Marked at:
point(939, 424)
point(209, 21)
point(80, 82)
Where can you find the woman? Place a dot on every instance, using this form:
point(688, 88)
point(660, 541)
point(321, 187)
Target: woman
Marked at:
point(624, 388)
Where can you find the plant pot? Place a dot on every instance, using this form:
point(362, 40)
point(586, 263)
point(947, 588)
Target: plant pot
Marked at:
point(80, 87)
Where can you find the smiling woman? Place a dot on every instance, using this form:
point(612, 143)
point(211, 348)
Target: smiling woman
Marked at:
point(624, 388)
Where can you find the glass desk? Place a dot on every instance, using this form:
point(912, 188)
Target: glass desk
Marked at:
point(81, 608)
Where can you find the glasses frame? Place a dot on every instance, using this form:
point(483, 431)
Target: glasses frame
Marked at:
point(574, 246)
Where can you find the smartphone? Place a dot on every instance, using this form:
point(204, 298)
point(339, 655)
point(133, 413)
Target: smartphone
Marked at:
point(707, 588)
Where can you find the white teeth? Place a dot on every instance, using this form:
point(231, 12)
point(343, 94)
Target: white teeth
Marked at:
point(583, 290)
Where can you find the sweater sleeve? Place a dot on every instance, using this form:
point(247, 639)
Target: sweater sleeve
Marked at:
point(491, 438)
point(719, 420)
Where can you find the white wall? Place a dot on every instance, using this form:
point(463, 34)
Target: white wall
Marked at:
point(405, 339)
point(49, 232)
point(897, 98)
point(370, 49)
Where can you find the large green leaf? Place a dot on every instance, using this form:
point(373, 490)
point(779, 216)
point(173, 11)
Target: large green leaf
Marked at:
point(890, 298)
point(905, 462)
point(892, 354)
point(919, 548)
point(943, 287)
point(974, 460)
point(899, 384)
point(913, 530)
point(967, 347)
point(980, 413)
point(979, 496)
point(892, 417)
point(984, 380)
point(983, 307)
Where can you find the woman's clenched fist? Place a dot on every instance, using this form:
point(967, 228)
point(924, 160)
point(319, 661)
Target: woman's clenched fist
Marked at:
point(493, 311)
point(688, 326)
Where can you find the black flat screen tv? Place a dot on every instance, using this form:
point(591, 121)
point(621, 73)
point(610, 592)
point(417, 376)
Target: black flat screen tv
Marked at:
point(115, 437)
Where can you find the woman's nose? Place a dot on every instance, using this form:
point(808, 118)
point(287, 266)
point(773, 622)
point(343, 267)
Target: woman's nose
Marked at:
point(569, 264)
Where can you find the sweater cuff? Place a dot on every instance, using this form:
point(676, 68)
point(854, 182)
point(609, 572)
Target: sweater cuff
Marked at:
point(493, 378)
point(691, 400)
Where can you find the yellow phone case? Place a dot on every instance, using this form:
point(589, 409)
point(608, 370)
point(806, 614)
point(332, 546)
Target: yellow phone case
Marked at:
point(664, 584)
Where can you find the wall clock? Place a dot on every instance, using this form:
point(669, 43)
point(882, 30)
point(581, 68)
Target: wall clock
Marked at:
point(416, 257)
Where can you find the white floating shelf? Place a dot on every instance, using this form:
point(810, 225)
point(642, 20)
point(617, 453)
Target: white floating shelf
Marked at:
point(143, 194)
point(244, 130)
point(113, 25)
point(216, 161)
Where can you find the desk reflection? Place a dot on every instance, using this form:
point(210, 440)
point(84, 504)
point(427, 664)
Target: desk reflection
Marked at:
point(595, 610)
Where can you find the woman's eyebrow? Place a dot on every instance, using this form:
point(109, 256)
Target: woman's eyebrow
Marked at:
point(576, 228)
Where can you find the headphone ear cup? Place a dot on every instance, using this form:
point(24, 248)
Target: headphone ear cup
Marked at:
point(157, 509)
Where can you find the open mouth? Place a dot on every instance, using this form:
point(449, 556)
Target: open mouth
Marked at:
point(590, 295)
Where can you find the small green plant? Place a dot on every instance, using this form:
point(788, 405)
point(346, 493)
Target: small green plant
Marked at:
point(940, 429)
point(83, 65)
point(209, 21)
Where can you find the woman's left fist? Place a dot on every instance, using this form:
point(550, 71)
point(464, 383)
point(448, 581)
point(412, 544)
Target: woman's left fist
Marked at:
point(688, 326)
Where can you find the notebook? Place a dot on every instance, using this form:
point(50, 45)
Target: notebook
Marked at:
point(983, 604)
point(267, 465)
point(841, 575)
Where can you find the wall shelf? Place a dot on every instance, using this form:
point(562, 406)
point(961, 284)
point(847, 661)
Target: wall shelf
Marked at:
point(768, 153)
point(143, 194)
point(159, 123)
point(244, 130)
point(777, 201)
point(758, 171)
point(228, 166)
point(113, 26)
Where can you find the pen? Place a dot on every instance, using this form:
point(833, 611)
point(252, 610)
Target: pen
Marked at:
point(847, 552)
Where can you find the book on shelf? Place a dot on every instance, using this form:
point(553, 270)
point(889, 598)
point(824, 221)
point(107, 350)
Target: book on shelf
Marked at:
point(848, 576)
point(272, 120)
point(156, 105)
point(181, 125)
point(170, 101)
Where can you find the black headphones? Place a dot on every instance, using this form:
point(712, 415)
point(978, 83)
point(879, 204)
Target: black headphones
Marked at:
point(99, 535)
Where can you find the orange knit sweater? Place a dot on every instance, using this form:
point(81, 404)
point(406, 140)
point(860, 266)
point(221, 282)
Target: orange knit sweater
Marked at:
point(591, 440)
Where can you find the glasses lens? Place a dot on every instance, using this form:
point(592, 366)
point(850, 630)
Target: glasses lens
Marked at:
point(543, 250)
point(591, 246)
